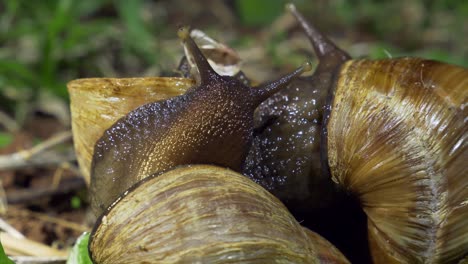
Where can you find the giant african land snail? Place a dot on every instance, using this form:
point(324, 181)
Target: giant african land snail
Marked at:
point(214, 214)
point(392, 132)
point(406, 169)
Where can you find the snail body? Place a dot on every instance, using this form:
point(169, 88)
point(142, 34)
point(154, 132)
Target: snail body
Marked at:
point(285, 156)
point(97, 103)
point(196, 213)
point(210, 124)
point(391, 133)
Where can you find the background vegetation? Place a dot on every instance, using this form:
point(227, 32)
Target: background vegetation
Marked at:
point(46, 43)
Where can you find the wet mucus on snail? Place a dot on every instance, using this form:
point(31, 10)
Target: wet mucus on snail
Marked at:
point(389, 133)
point(210, 124)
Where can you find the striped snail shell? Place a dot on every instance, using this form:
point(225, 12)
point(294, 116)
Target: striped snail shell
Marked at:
point(204, 214)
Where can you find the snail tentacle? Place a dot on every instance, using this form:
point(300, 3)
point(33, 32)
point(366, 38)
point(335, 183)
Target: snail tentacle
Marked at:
point(268, 89)
point(328, 53)
point(205, 71)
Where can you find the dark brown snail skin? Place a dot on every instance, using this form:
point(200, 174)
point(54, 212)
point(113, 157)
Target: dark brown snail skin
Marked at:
point(390, 132)
point(210, 124)
point(97, 103)
point(285, 153)
point(285, 156)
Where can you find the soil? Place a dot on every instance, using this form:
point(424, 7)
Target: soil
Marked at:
point(40, 199)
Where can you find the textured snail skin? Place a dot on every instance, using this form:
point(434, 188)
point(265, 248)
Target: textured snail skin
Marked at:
point(285, 153)
point(204, 214)
point(210, 124)
point(397, 140)
point(285, 156)
point(97, 103)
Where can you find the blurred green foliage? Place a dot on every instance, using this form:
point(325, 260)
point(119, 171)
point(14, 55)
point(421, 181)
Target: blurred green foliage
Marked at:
point(75, 202)
point(46, 35)
point(47, 43)
point(44, 44)
point(259, 12)
point(435, 29)
point(5, 139)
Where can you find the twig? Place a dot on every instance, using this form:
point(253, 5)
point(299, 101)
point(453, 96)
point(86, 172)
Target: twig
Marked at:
point(59, 172)
point(57, 176)
point(17, 160)
point(31, 195)
point(3, 199)
point(71, 167)
point(38, 260)
point(49, 219)
point(9, 123)
point(28, 247)
point(10, 230)
point(49, 143)
point(31, 158)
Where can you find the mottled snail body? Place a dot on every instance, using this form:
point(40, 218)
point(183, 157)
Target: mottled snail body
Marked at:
point(97, 103)
point(391, 132)
point(210, 124)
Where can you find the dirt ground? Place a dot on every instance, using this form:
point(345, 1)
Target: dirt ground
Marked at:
point(45, 204)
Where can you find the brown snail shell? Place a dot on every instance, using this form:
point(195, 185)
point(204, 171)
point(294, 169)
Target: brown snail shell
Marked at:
point(96, 103)
point(204, 214)
point(397, 140)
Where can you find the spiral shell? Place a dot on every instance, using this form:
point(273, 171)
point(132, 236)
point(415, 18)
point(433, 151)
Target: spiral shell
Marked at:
point(397, 139)
point(204, 214)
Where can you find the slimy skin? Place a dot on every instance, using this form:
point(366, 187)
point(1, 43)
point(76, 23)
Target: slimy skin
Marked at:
point(210, 124)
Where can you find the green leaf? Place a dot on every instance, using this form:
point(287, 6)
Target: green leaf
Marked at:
point(5, 140)
point(3, 257)
point(79, 253)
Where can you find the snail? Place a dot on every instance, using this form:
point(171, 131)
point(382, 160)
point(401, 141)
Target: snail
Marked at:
point(97, 103)
point(390, 132)
point(204, 214)
point(198, 213)
point(209, 124)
